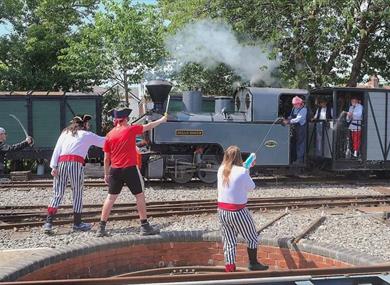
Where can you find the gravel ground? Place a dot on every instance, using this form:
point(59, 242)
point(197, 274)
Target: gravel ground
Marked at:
point(352, 230)
point(360, 231)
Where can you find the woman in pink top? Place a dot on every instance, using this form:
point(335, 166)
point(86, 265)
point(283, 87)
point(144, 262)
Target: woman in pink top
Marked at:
point(234, 183)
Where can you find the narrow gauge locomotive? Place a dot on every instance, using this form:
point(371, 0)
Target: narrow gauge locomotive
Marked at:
point(191, 143)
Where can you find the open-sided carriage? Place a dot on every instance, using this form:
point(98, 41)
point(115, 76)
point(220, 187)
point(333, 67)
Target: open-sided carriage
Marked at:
point(336, 141)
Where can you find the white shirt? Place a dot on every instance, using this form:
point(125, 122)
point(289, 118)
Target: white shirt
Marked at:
point(240, 183)
point(357, 117)
point(75, 145)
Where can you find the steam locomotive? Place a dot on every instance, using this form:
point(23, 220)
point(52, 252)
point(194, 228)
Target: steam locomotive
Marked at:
point(191, 143)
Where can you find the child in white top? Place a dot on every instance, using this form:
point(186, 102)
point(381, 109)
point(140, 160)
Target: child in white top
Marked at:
point(234, 183)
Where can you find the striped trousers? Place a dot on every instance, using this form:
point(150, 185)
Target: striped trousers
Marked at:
point(232, 224)
point(69, 171)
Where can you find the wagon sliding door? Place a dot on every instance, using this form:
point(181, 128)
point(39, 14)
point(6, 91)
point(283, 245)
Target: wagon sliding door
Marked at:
point(46, 122)
point(378, 123)
point(18, 107)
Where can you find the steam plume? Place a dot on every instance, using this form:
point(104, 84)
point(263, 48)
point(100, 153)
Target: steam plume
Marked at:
point(209, 43)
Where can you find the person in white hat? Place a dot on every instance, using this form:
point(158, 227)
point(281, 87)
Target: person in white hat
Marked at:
point(4, 148)
point(298, 119)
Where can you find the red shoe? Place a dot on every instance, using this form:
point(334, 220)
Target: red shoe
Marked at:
point(230, 267)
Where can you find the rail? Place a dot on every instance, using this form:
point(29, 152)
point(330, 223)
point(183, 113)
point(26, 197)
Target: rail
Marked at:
point(33, 216)
point(254, 277)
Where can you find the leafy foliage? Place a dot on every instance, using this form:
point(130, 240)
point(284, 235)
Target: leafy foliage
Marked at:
point(123, 41)
point(29, 55)
point(216, 82)
point(320, 42)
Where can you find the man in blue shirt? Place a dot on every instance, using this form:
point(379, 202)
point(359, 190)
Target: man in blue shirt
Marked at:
point(297, 120)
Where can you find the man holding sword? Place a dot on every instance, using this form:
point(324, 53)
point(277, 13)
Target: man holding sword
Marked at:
point(4, 148)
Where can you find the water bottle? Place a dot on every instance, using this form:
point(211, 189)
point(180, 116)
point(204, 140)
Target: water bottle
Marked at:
point(248, 162)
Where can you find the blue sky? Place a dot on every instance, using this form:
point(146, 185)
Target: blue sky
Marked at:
point(4, 28)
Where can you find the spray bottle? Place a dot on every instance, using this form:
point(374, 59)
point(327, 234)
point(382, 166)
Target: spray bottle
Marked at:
point(248, 162)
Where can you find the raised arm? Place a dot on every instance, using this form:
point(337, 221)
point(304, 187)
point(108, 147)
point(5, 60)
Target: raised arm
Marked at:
point(154, 124)
point(94, 139)
point(15, 147)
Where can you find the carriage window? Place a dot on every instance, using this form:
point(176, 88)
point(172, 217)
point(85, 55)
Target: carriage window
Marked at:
point(346, 135)
point(238, 103)
point(247, 101)
point(320, 100)
point(344, 100)
point(285, 105)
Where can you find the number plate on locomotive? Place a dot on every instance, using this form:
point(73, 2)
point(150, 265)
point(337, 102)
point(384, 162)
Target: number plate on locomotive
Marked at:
point(193, 133)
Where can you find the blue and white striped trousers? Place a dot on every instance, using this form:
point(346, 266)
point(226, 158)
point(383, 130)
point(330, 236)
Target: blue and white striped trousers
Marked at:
point(232, 224)
point(69, 171)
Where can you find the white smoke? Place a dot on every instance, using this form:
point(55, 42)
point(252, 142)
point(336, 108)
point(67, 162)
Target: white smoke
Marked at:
point(209, 43)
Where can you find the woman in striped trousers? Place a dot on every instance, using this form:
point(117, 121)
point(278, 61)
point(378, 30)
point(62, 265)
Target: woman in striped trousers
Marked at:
point(234, 183)
point(67, 164)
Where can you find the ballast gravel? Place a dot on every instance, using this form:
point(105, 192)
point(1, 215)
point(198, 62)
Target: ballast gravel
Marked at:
point(169, 191)
point(350, 229)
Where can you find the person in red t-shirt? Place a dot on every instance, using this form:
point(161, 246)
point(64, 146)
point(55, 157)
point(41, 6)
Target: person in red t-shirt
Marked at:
point(120, 167)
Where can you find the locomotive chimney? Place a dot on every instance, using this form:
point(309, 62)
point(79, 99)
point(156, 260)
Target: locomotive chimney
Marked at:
point(159, 90)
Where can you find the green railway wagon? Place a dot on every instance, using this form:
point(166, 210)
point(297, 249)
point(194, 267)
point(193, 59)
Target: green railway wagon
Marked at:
point(45, 115)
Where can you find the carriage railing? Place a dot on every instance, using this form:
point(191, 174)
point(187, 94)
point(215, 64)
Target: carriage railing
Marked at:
point(320, 140)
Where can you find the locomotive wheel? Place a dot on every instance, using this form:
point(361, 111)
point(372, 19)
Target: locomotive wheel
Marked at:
point(208, 173)
point(183, 173)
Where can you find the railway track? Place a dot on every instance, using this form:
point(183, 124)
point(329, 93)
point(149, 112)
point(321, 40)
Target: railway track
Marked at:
point(194, 183)
point(302, 276)
point(12, 217)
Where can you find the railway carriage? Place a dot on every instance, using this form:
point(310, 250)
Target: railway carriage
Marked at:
point(45, 115)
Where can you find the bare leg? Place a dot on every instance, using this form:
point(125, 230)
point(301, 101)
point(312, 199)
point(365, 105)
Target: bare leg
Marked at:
point(107, 206)
point(141, 206)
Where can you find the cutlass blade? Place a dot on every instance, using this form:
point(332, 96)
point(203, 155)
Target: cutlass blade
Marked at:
point(20, 124)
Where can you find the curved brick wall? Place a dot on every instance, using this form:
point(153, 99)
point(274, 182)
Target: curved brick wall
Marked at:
point(112, 256)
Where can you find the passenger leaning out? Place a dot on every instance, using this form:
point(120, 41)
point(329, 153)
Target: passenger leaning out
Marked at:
point(354, 118)
point(297, 120)
point(234, 183)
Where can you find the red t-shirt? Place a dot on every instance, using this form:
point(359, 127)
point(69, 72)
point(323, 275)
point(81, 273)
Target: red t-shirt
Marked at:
point(120, 144)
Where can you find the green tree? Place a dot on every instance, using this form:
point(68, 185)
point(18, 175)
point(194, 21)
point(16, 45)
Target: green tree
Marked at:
point(40, 29)
point(10, 10)
point(215, 82)
point(180, 12)
point(122, 43)
point(320, 42)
